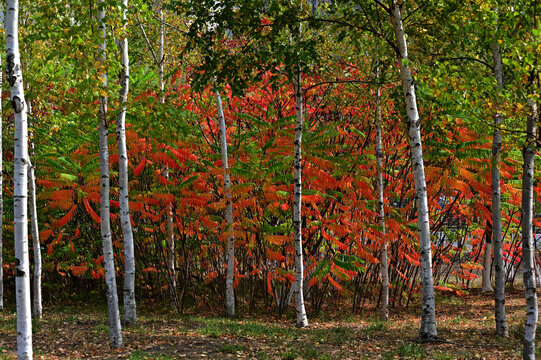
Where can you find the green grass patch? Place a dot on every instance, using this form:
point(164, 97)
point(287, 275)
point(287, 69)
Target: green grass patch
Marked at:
point(333, 336)
point(411, 350)
point(142, 355)
point(216, 327)
point(376, 327)
point(231, 348)
point(289, 355)
point(101, 329)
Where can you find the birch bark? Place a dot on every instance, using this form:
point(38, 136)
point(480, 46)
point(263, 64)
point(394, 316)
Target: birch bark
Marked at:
point(37, 302)
point(528, 248)
point(20, 191)
point(302, 320)
point(487, 264)
point(115, 334)
point(171, 254)
point(384, 265)
point(499, 293)
point(159, 59)
point(229, 291)
point(1, 203)
point(130, 312)
point(428, 329)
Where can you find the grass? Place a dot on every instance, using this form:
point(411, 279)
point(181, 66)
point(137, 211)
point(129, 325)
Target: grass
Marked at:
point(231, 348)
point(334, 336)
point(289, 355)
point(142, 355)
point(466, 323)
point(376, 327)
point(101, 329)
point(261, 355)
point(411, 350)
point(217, 327)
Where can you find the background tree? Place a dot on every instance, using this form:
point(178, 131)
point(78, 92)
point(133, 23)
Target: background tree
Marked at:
point(130, 313)
point(1, 203)
point(115, 334)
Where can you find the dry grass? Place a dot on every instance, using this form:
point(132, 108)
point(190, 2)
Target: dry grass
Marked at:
point(465, 325)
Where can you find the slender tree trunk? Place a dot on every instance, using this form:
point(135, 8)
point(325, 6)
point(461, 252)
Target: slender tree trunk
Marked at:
point(499, 293)
point(36, 244)
point(528, 247)
point(20, 191)
point(1, 201)
point(428, 329)
point(302, 320)
point(115, 333)
point(487, 263)
point(130, 312)
point(171, 253)
point(384, 267)
point(229, 291)
point(37, 302)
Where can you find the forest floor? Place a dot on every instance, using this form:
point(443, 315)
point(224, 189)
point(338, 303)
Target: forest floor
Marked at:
point(465, 325)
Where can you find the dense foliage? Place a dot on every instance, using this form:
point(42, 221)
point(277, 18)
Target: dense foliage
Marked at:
point(251, 60)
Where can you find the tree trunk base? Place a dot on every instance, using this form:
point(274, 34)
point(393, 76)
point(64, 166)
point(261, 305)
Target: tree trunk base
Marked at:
point(427, 338)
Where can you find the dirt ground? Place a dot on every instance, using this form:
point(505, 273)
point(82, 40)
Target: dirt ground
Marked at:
point(465, 325)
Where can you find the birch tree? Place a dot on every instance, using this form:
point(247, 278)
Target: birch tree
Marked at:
point(36, 301)
point(171, 246)
point(487, 262)
point(499, 293)
point(1, 202)
point(171, 254)
point(428, 329)
point(130, 313)
point(229, 291)
point(302, 320)
point(115, 334)
point(159, 59)
point(285, 45)
point(20, 191)
point(384, 263)
point(528, 247)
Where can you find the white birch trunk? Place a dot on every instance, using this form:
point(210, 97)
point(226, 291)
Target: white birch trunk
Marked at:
point(499, 293)
point(384, 266)
point(229, 291)
point(428, 329)
point(20, 191)
point(130, 312)
point(528, 248)
point(37, 302)
point(115, 333)
point(487, 265)
point(36, 244)
point(171, 255)
point(1, 202)
point(302, 320)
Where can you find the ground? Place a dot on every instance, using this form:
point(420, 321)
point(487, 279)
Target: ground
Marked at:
point(465, 325)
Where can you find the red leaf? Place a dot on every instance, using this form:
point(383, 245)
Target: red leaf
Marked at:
point(139, 169)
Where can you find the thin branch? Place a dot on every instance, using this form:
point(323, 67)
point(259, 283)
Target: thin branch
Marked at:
point(169, 25)
point(347, 82)
point(150, 47)
point(414, 11)
point(356, 27)
point(386, 8)
point(467, 58)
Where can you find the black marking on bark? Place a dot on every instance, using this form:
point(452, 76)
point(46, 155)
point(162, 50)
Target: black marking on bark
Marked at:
point(18, 272)
point(17, 104)
point(10, 67)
